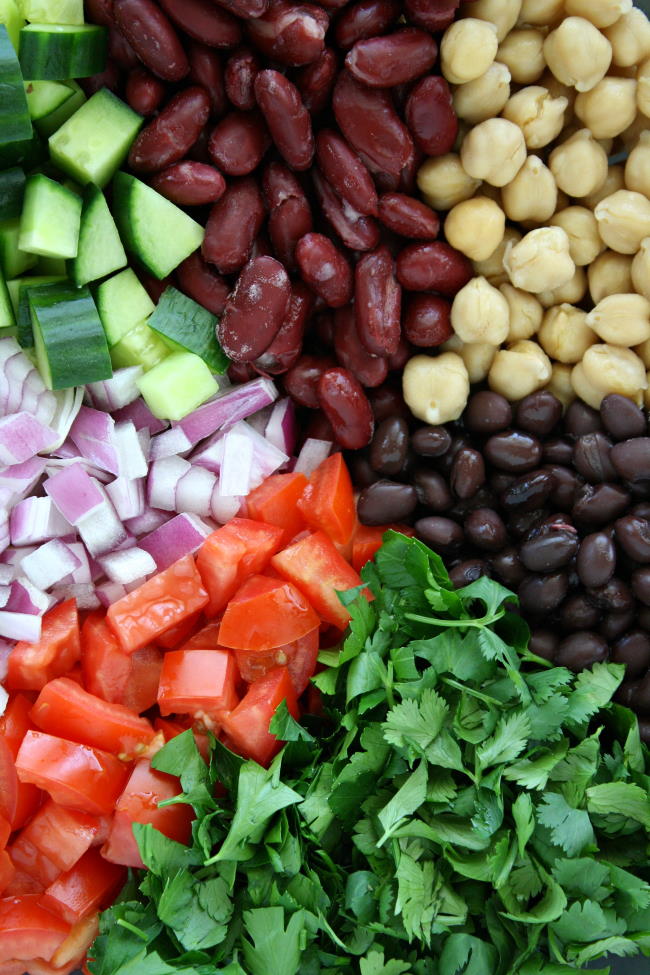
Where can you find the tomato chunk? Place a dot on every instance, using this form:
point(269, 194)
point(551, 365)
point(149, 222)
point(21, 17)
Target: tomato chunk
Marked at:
point(299, 657)
point(67, 710)
point(16, 721)
point(84, 889)
point(207, 638)
point(248, 725)
point(28, 859)
point(28, 930)
point(328, 500)
point(18, 800)
point(31, 665)
point(193, 680)
point(266, 613)
point(158, 604)
point(63, 835)
point(368, 540)
point(275, 502)
point(7, 871)
point(75, 775)
point(130, 679)
point(5, 831)
point(172, 639)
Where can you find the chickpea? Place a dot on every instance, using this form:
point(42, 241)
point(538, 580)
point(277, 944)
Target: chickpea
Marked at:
point(502, 13)
point(643, 352)
point(522, 51)
point(633, 133)
point(610, 274)
point(467, 50)
point(637, 167)
point(640, 269)
point(560, 383)
point(443, 182)
point(492, 267)
point(585, 390)
point(477, 356)
point(608, 108)
point(624, 220)
point(540, 261)
point(538, 114)
point(614, 181)
point(614, 369)
point(577, 53)
point(582, 230)
point(643, 88)
point(564, 334)
point(480, 313)
point(475, 227)
point(493, 150)
point(646, 395)
point(525, 312)
point(579, 164)
point(601, 13)
point(572, 292)
point(541, 12)
point(483, 98)
point(629, 38)
point(436, 388)
point(622, 319)
point(558, 90)
point(519, 370)
point(532, 194)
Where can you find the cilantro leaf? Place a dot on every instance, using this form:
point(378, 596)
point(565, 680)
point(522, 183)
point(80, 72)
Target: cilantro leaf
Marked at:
point(414, 725)
point(508, 741)
point(621, 798)
point(570, 828)
point(524, 817)
point(285, 727)
point(594, 689)
point(405, 802)
point(586, 921)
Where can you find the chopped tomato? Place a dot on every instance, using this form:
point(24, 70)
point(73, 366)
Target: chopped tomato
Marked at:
point(139, 804)
point(78, 776)
point(62, 835)
point(232, 554)
point(248, 725)
point(157, 605)
point(315, 567)
point(197, 680)
point(328, 500)
point(28, 859)
point(299, 657)
point(18, 800)
point(28, 930)
point(368, 539)
point(31, 665)
point(266, 613)
point(7, 871)
point(84, 889)
point(171, 729)
point(275, 502)
point(16, 721)
point(207, 638)
point(178, 634)
point(5, 831)
point(116, 676)
point(67, 710)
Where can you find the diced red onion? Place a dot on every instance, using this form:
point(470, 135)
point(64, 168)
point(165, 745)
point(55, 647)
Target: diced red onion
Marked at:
point(67, 405)
point(228, 407)
point(26, 598)
point(109, 592)
point(20, 479)
point(182, 535)
point(259, 420)
point(131, 460)
point(5, 593)
point(21, 437)
point(20, 626)
point(4, 698)
point(236, 466)
point(16, 370)
point(144, 439)
point(4, 531)
point(85, 595)
point(49, 564)
point(128, 566)
point(5, 650)
point(37, 520)
point(127, 496)
point(162, 482)
point(224, 507)
point(74, 493)
point(210, 454)
point(14, 556)
point(141, 416)
point(56, 464)
point(84, 574)
point(148, 521)
point(281, 430)
point(312, 453)
point(6, 575)
point(101, 530)
point(194, 492)
point(116, 392)
point(171, 443)
point(93, 433)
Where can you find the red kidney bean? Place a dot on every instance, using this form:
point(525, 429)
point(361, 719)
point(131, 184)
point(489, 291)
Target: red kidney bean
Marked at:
point(110, 77)
point(368, 18)
point(153, 38)
point(261, 247)
point(323, 327)
point(153, 286)
point(378, 299)
point(246, 9)
point(400, 356)
point(256, 309)
point(433, 267)
point(316, 80)
point(199, 281)
point(120, 51)
point(345, 172)
point(206, 70)
point(288, 222)
point(408, 177)
point(290, 33)
point(171, 134)
point(284, 351)
point(347, 407)
point(287, 118)
point(238, 143)
point(234, 223)
point(325, 269)
point(430, 116)
point(241, 69)
point(301, 381)
point(356, 231)
point(334, 4)
point(370, 370)
point(280, 184)
point(144, 92)
point(433, 15)
point(408, 217)
point(190, 183)
point(427, 322)
point(368, 120)
point(204, 22)
point(394, 59)
point(99, 12)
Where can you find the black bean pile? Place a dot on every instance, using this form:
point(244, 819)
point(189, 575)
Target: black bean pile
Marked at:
point(554, 505)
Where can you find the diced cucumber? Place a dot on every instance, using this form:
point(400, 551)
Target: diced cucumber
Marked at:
point(54, 266)
point(122, 302)
point(69, 340)
point(7, 315)
point(177, 385)
point(13, 262)
point(12, 18)
point(50, 219)
point(100, 249)
point(57, 52)
point(141, 346)
point(27, 153)
point(54, 11)
point(15, 124)
point(188, 326)
point(159, 233)
point(94, 141)
point(50, 123)
point(19, 292)
point(12, 191)
point(44, 97)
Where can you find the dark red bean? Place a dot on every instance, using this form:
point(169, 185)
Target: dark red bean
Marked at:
point(427, 321)
point(622, 418)
point(110, 77)
point(488, 412)
point(120, 51)
point(387, 400)
point(289, 211)
point(284, 351)
point(599, 504)
point(433, 15)
point(238, 143)
point(633, 650)
point(239, 78)
point(433, 267)
point(234, 223)
point(345, 172)
point(287, 118)
point(325, 269)
point(631, 458)
point(301, 381)
point(153, 286)
point(370, 370)
point(99, 12)
point(386, 501)
point(368, 120)
point(346, 406)
point(198, 280)
point(395, 59)
point(368, 18)
point(256, 309)
point(206, 70)
point(400, 356)
point(358, 232)
point(246, 9)
point(144, 92)
point(315, 81)
point(408, 217)
point(204, 22)
point(528, 492)
point(290, 33)
point(190, 183)
point(169, 136)
point(430, 116)
point(152, 36)
point(378, 299)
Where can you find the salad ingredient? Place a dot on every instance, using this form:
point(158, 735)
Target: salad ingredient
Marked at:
point(185, 324)
point(61, 51)
point(99, 251)
point(16, 124)
point(152, 37)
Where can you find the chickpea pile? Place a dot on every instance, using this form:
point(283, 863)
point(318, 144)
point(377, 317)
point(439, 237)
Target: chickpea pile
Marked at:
point(547, 92)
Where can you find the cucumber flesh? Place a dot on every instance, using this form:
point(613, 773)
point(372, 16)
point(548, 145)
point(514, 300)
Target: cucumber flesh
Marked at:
point(100, 250)
point(56, 52)
point(186, 325)
point(12, 192)
point(44, 97)
point(54, 11)
point(141, 346)
point(177, 385)
point(12, 18)
point(19, 292)
point(50, 220)
point(15, 124)
point(50, 123)
point(7, 314)
point(13, 262)
point(122, 302)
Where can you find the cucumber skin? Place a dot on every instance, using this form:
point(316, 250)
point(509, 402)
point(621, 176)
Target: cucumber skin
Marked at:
point(15, 123)
point(190, 327)
point(47, 55)
point(12, 191)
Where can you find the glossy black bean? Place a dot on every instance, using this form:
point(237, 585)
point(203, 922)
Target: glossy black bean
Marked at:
point(500, 481)
point(631, 458)
point(641, 695)
point(468, 571)
point(521, 523)
point(538, 413)
point(580, 650)
point(549, 552)
point(557, 451)
point(540, 594)
point(640, 580)
point(386, 501)
point(625, 693)
point(432, 490)
point(446, 462)
point(600, 504)
point(641, 510)
point(387, 400)
point(544, 643)
point(577, 613)
point(360, 470)
point(565, 486)
point(487, 412)
point(614, 625)
point(622, 418)
point(633, 650)
point(528, 492)
point(442, 534)
point(431, 441)
point(614, 596)
point(633, 535)
point(467, 473)
point(485, 529)
point(591, 458)
point(643, 617)
point(580, 419)
point(596, 560)
point(508, 568)
point(389, 446)
point(513, 452)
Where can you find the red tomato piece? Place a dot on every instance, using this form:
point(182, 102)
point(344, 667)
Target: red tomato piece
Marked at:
point(328, 500)
point(5, 831)
point(197, 680)
point(171, 729)
point(16, 721)
point(139, 804)
point(368, 540)
point(31, 665)
point(28, 930)
point(248, 725)
point(18, 800)
point(299, 657)
point(86, 888)
point(275, 502)
point(78, 776)
point(28, 859)
point(315, 567)
point(178, 634)
point(163, 601)
point(7, 871)
point(130, 679)
point(207, 638)
point(63, 835)
point(67, 710)
point(266, 613)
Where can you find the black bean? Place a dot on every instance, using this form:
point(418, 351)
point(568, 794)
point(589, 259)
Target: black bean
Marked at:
point(360, 470)
point(600, 504)
point(615, 596)
point(631, 458)
point(500, 481)
point(431, 441)
point(386, 401)
point(580, 650)
point(514, 452)
point(487, 412)
point(530, 491)
point(596, 560)
point(386, 501)
point(508, 568)
point(643, 617)
point(625, 693)
point(641, 695)
point(641, 584)
point(442, 534)
point(521, 523)
point(485, 529)
point(432, 490)
point(446, 462)
point(565, 486)
point(580, 419)
point(621, 417)
point(467, 473)
point(389, 446)
point(557, 452)
point(591, 458)
point(539, 413)
point(633, 535)
point(540, 595)
point(549, 552)
point(544, 643)
point(633, 650)
point(468, 571)
point(577, 613)
point(614, 625)
point(641, 510)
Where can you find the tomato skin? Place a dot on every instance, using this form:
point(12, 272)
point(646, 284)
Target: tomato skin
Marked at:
point(248, 725)
point(5, 831)
point(275, 502)
point(16, 721)
point(207, 638)
point(299, 657)
point(62, 835)
point(116, 676)
point(266, 613)
point(28, 930)
point(239, 549)
point(31, 665)
point(7, 871)
point(193, 680)
point(157, 605)
point(84, 889)
point(327, 503)
point(368, 540)
point(18, 800)
point(172, 639)
point(78, 776)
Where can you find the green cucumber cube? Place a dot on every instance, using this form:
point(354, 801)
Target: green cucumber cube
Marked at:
point(50, 123)
point(54, 11)
point(15, 124)
point(141, 346)
point(188, 326)
point(100, 250)
point(177, 385)
point(57, 52)
point(12, 18)
point(122, 302)
point(7, 315)
point(20, 300)
point(12, 192)
point(50, 220)
point(13, 262)
point(44, 97)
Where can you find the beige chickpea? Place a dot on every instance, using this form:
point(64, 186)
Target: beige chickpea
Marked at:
point(615, 180)
point(640, 269)
point(572, 291)
point(483, 98)
point(564, 334)
point(643, 88)
point(525, 312)
point(637, 166)
point(443, 182)
point(477, 356)
point(480, 313)
point(522, 51)
point(538, 114)
point(557, 90)
point(475, 227)
point(492, 267)
point(502, 13)
point(540, 261)
point(601, 13)
point(643, 352)
point(608, 108)
point(577, 53)
point(614, 369)
point(633, 133)
point(646, 394)
point(519, 370)
point(622, 319)
point(560, 383)
point(624, 220)
point(532, 194)
point(629, 38)
point(541, 12)
point(467, 49)
point(582, 230)
point(609, 274)
point(436, 388)
point(585, 390)
point(579, 164)
point(493, 150)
